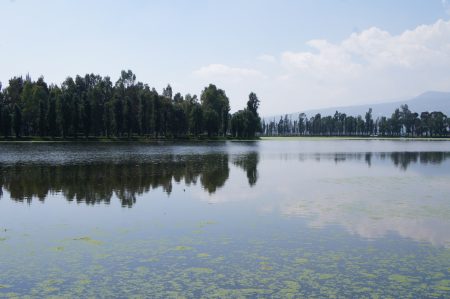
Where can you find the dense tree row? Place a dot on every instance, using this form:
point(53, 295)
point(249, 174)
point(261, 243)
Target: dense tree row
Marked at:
point(93, 106)
point(403, 122)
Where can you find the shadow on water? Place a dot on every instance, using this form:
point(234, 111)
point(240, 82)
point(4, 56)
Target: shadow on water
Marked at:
point(98, 182)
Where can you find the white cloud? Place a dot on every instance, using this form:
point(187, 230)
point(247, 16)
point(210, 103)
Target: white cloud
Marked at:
point(221, 70)
point(267, 58)
point(374, 49)
point(366, 67)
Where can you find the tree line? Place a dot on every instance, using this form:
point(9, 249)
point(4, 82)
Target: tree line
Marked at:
point(403, 122)
point(92, 106)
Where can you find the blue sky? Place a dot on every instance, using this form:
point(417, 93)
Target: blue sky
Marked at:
point(294, 54)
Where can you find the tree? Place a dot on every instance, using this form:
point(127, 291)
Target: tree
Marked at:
point(118, 116)
point(6, 121)
point(215, 99)
point(167, 92)
point(93, 105)
point(196, 119)
point(17, 120)
point(253, 119)
point(52, 125)
point(396, 124)
point(42, 123)
point(86, 117)
point(369, 122)
point(211, 121)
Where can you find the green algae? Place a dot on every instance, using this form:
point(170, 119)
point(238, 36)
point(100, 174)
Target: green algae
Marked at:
point(199, 270)
point(84, 281)
point(443, 285)
point(182, 248)
point(89, 240)
point(326, 276)
point(257, 268)
point(301, 261)
point(400, 278)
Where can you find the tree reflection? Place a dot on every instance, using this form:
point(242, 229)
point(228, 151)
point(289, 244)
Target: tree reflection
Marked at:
point(404, 159)
point(400, 159)
point(249, 163)
point(98, 182)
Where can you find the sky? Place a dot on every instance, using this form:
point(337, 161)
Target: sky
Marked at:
point(295, 55)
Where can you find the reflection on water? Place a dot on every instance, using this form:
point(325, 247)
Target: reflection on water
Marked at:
point(276, 220)
point(97, 182)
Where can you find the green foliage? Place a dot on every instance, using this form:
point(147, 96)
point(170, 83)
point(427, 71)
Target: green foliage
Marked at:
point(402, 122)
point(17, 120)
point(215, 103)
point(211, 121)
point(246, 123)
point(92, 105)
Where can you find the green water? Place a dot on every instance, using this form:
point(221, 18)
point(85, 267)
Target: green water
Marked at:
point(296, 219)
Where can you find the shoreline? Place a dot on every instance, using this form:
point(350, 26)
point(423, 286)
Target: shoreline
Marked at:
point(317, 138)
point(218, 139)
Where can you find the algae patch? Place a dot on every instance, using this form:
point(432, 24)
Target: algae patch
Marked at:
point(200, 270)
point(89, 240)
point(183, 248)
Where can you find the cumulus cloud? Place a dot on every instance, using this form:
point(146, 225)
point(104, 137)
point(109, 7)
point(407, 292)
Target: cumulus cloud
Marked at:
point(370, 66)
point(374, 49)
point(221, 70)
point(366, 67)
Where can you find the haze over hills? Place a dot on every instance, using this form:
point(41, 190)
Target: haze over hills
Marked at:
point(428, 101)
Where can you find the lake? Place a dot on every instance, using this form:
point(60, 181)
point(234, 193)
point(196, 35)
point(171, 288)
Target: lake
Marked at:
point(279, 219)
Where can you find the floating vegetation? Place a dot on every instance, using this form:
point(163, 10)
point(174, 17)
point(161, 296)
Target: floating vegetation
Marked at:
point(301, 261)
point(401, 278)
point(363, 244)
point(200, 270)
point(183, 248)
point(88, 240)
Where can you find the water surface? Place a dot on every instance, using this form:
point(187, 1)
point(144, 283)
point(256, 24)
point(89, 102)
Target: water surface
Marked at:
point(316, 219)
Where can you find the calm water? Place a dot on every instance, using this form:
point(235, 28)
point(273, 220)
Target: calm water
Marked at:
point(279, 219)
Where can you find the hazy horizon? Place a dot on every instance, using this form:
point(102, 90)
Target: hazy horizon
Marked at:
point(295, 55)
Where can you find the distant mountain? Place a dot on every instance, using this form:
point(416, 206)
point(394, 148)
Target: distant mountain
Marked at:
point(428, 101)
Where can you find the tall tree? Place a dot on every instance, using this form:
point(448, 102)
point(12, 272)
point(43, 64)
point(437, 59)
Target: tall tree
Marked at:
point(17, 120)
point(215, 99)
